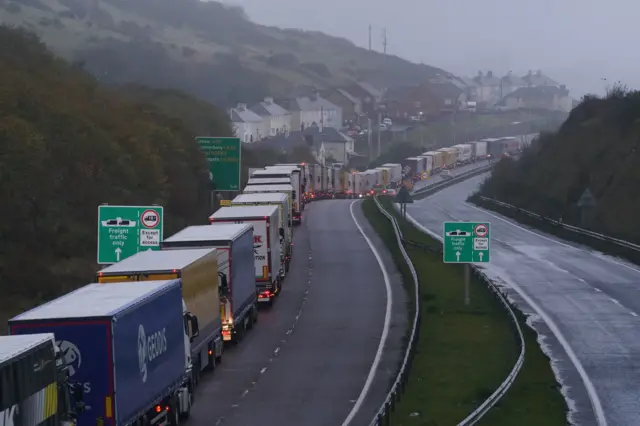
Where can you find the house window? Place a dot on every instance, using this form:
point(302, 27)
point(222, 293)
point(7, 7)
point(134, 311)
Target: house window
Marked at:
point(448, 102)
point(417, 104)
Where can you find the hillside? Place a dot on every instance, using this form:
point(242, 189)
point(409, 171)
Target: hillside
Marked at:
point(595, 148)
point(206, 49)
point(68, 145)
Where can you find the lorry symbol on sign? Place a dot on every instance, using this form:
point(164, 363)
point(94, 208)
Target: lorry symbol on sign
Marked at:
point(150, 219)
point(119, 222)
point(481, 230)
point(458, 233)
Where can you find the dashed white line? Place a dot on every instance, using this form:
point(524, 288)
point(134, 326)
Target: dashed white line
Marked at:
point(276, 351)
point(615, 301)
point(263, 370)
point(597, 289)
point(385, 328)
point(633, 314)
point(586, 380)
point(244, 393)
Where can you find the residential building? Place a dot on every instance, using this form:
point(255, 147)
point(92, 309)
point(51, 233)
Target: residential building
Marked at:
point(350, 104)
point(277, 118)
point(488, 88)
point(313, 110)
point(451, 93)
point(330, 113)
point(472, 89)
point(247, 125)
point(538, 79)
point(330, 143)
point(510, 83)
point(551, 98)
point(369, 96)
point(411, 101)
point(296, 138)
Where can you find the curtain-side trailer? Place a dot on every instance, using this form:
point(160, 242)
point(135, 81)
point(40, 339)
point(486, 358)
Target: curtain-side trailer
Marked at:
point(295, 174)
point(427, 163)
point(198, 269)
point(127, 345)
point(395, 174)
point(464, 152)
point(450, 157)
point(234, 244)
point(268, 189)
point(268, 265)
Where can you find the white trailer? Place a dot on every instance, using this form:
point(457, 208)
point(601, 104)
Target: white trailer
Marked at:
point(268, 189)
point(360, 183)
point(269, 181)
point(268, 264)
point(273, 199)
point(428, 163)
point(479, 150)
point(395, 175)
point(293, 173)
point(465, 152)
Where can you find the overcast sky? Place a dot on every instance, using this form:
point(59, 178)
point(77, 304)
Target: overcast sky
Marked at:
point(578, 42)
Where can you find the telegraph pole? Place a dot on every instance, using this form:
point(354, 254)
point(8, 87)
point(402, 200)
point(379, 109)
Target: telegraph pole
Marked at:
point(369, 36)
point(384, 41)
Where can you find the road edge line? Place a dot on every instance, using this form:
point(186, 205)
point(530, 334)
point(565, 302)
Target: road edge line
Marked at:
point(385, 329)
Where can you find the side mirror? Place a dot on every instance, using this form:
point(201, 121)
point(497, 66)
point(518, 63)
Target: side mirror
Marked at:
point(195, 328)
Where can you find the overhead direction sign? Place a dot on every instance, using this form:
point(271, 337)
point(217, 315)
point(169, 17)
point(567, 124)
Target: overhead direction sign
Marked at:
point(466, 242)
point(126, 230)
point(224, 156)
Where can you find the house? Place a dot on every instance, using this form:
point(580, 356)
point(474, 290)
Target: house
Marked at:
point(330, 144)
point(538, 79)
point(510, 83)
point(472, 89)
point(277, 118)
point(369, 96)
point(296, 138)
point(247, 125)
point(404, 102)
point(312, 110)
point(449, 95)
point(488, 88)
point(350, 104)
point(551, 98)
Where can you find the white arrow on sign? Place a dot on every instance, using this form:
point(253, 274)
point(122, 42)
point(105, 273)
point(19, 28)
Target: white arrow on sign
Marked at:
point(118, 252)
point(481, 254)
point(457, 256)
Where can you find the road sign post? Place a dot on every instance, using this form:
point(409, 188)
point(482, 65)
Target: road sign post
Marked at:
point(403, 197)
point(466, 242)
point(224, 157)
point(126, 230)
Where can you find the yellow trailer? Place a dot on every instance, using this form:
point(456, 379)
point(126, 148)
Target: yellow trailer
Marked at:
point(450, 156)
point(198, 271)
point(385, 174)
point(438, 159)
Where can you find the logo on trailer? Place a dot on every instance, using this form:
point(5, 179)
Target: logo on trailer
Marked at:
point(481, 230)
point(257, 243)
point(71, 355)
point(150, 218)
point(149, 348)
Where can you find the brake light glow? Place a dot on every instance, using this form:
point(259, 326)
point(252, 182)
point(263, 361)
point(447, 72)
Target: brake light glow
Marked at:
point(210, 352)
point(158, 408)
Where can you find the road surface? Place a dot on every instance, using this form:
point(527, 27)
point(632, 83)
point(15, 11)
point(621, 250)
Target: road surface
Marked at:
point(308, 358)
point(586, 305)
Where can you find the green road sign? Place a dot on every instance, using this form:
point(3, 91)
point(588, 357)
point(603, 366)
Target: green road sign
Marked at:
point(126, 230)
point(223, 155)
point(466, 242)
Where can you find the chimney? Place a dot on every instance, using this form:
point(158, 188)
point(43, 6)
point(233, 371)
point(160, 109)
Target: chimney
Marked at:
point(241, 107)
point(539, 73)
point(490, 74)
point(268, 101)
point(321, 118)
point(563, 87)
point(480, 74)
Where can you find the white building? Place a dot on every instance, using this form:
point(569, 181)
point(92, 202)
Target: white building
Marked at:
point(247, 125)
point(277, 118)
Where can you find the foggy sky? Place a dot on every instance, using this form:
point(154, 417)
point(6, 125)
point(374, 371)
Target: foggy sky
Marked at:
point(577, 42)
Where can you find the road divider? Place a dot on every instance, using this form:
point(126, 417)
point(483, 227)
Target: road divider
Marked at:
point(593, 239)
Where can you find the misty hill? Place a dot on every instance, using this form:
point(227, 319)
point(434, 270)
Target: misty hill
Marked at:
point(68, 145)
point(597, 147)
point(203, 48)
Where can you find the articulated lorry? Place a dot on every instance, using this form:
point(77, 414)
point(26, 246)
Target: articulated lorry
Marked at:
point(268, 189)
point(198, 269)
point(286, 232)
point(35, 387)
point(305, 180)
point(295, 175)
point(234, 249)
point(269, 268)
point(269, 181)
point(128, 347)
point(395, 173)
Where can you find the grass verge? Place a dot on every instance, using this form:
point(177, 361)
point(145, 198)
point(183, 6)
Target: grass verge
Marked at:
point(465, 352)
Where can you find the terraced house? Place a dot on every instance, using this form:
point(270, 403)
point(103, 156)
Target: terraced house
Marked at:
point(277, 119)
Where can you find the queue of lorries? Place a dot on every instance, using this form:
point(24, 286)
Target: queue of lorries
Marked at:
point(131, 347)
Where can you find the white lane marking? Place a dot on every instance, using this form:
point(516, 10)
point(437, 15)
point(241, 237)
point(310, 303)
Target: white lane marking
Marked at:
point(597, 289)
point(586, 380)
point(606, 258)
point(633, 314)
point(263, 370)
point(385, 328)
point(615, 301)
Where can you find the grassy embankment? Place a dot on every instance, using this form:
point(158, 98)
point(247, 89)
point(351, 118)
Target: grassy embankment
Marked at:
point(465, 352)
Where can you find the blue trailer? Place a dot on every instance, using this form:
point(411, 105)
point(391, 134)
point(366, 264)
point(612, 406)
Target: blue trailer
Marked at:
point(234, 246)
point(125, 344)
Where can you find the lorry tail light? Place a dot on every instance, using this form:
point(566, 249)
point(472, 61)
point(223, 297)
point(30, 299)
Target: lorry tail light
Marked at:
point(167, 409)
point(158, 408)
point(210, 352)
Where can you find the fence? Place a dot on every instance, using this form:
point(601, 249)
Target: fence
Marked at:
point(570, 232)
point(383, 415)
